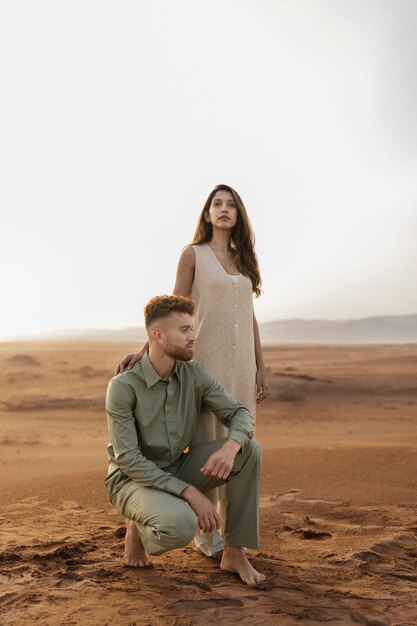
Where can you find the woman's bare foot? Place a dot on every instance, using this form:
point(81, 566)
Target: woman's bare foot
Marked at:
point(135, 555)
point(235, 560)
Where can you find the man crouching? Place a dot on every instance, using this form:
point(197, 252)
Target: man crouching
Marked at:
point(154, 480)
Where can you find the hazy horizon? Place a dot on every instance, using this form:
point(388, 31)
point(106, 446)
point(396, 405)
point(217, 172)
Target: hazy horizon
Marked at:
point(278, 330)
point(119, 118)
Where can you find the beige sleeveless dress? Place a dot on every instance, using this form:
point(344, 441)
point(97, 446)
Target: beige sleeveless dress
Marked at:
point(224, 331)
point(225, 345)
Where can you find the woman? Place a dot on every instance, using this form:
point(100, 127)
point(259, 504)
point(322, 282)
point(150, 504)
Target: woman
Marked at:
point(220, 271)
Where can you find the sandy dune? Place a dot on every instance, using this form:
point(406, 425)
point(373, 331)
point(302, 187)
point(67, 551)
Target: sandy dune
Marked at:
point(339, 513)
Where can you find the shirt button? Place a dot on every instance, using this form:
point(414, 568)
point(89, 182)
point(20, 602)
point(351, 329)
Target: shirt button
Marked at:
point(235, 325)
point(235, 305)
point(234, 286)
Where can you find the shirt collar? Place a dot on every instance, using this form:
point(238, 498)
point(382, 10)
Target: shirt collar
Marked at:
point(149, 373)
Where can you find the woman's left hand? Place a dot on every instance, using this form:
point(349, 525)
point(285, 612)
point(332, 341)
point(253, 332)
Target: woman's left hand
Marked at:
point(261, 386)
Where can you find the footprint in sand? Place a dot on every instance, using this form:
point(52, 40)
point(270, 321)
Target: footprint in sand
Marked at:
point(312, 535)
point(368, 556)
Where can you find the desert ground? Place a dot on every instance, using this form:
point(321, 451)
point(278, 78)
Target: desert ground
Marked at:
point(338, 509)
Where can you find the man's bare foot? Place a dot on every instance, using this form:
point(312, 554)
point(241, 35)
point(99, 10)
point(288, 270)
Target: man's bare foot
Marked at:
point(135, 555)
point(235, 560)
point(217, 556)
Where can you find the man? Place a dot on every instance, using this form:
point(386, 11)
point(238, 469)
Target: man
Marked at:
point(154, 480)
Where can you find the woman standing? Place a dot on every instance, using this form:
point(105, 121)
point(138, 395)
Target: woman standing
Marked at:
point(220, 271)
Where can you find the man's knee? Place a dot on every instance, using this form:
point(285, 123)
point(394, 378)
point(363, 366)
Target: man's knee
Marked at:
point(249, 459)
point(186, 524)
point(253, 449)
point(176, 528)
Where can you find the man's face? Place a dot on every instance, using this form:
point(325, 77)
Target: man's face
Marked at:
point(177, 332)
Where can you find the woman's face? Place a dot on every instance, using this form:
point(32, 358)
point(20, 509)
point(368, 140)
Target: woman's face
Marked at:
point(223, 211)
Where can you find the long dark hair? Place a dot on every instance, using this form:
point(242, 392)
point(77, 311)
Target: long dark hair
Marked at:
point(242, 240)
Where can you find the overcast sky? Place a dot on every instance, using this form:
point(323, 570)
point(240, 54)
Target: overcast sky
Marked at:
point(117, 119)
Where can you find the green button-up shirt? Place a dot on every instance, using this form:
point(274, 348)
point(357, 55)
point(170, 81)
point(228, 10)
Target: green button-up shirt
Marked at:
point(152, 421)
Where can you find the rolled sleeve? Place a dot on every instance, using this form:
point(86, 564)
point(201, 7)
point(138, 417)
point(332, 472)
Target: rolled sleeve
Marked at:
point(240, 437)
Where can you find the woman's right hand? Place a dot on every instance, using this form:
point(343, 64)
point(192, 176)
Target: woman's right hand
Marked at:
point(129, 361)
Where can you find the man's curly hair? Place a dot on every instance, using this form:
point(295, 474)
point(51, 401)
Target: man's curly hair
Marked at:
point(160, 307)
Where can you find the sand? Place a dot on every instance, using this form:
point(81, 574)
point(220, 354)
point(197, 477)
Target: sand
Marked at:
point(338, 517)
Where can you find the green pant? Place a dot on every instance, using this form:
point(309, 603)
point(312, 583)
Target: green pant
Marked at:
point(165, 521)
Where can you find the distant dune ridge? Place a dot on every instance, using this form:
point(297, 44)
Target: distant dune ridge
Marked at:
point(382, 328)
point(376, 329)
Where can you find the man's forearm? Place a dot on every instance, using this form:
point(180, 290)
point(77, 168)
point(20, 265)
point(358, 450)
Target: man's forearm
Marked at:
point(220, 463)
point(146, 473)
